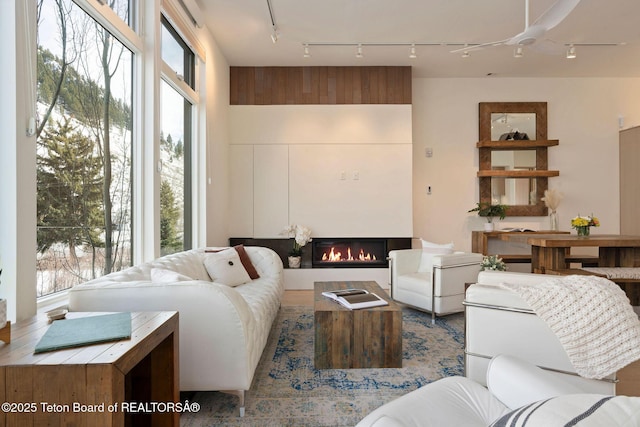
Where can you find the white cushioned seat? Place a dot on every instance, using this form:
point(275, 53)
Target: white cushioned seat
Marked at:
point(613, 273)
point(453, 401)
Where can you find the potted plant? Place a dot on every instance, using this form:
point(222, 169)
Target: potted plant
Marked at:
point(493, 263)
point(489, 211)
point(301, 236)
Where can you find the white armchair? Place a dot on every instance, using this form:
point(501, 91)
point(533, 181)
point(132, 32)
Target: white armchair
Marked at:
point(500, 321)
point(513, 387)
point(432, 282)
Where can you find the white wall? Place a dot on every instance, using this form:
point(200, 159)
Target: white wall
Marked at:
point(216, 95)
point(341, 170)
point(582, 114)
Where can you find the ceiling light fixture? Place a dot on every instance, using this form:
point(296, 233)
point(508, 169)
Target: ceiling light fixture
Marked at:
point(571, 52)
point(412, 51)
point(518, 52)
point(465, 53)
point(359, 51)
point(307, 54)
point(274, 26)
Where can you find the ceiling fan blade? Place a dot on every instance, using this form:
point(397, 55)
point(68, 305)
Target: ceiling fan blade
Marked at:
point(556, 14)
point(549, 47)
point(473, 47)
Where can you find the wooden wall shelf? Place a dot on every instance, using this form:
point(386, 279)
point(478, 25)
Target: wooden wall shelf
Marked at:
point(517, 144)
point(518, 173)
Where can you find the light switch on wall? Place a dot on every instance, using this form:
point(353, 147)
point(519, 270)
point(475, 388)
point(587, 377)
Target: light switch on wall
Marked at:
point(428, 152)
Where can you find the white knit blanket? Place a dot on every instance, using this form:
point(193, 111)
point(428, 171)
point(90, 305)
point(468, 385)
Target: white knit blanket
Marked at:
point(592, 318)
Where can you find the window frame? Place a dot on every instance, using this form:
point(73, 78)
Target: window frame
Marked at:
point(187, 87)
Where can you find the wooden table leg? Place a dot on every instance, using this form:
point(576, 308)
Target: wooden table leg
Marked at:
point(543, 258)
point(608, 257)
point(5, 333)
point(629, 257)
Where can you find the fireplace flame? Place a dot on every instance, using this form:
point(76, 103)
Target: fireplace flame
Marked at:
point(335, 256)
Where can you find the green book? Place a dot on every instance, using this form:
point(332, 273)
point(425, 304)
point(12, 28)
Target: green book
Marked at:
point(68, 333)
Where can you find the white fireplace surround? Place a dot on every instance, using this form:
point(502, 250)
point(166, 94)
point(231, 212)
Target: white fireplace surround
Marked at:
point(341, 170)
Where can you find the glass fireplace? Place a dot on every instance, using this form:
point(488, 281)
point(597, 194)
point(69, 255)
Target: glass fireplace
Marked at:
point(349, 252)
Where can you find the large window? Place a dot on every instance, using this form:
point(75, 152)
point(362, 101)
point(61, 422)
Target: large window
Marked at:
point(84, 146)
point(176, 112)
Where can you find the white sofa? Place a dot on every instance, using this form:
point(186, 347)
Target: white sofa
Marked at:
point(223, 329)
point(499, 321)
point(518, 393)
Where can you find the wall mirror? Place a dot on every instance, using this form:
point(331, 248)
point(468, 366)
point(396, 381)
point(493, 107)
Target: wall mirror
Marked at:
point(513, 164)
point(513, 126)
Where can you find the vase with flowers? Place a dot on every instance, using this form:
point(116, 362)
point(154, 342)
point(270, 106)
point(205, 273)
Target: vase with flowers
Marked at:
point(583, 224)
point(552, 199)
point(301, 236)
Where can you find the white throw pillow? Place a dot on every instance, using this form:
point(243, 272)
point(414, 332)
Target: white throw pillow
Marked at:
point(585, 410)
point(164, 275)
point(430, 249)
point(226, 268)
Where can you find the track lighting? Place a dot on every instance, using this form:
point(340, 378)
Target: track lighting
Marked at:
point(274, 26)
point(465, 53)
point(464, 49)
point(412, 52)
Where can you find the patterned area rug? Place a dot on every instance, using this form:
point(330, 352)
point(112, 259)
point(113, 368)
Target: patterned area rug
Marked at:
point(288, 391)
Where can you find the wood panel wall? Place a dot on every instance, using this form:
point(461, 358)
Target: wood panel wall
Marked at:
point(629, 178)
point(320, 85)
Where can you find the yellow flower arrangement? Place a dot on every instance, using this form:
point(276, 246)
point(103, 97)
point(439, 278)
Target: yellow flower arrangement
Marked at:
point(582, 224)
point(585, 221)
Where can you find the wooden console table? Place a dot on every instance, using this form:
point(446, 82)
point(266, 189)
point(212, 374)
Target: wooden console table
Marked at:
point(518, 249)
point(87, 386)
point(363, 338)
point(549, 251)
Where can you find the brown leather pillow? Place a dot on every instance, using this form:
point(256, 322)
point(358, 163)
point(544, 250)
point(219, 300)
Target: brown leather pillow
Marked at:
point(244, 259)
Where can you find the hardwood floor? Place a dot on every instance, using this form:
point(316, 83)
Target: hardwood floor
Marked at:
point(304, 298)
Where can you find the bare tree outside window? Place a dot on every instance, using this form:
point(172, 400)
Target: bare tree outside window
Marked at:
point(84, 146)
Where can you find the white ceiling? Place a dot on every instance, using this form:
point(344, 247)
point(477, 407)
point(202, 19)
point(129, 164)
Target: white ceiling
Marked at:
point(242, 29)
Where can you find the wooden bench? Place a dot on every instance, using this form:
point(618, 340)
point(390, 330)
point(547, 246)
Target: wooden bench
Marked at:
point(628, 278)
point(584, 260)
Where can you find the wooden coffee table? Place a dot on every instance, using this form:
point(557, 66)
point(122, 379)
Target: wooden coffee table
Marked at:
point(364, 338)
